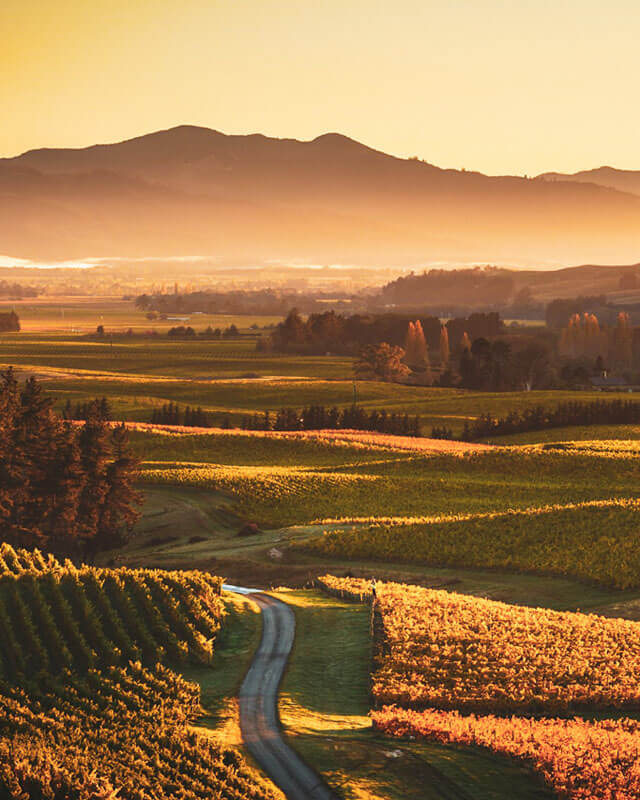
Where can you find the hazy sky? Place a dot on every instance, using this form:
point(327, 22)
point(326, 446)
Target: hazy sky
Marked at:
point(502, 86)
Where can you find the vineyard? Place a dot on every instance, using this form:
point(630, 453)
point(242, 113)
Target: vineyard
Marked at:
point(592, 541)
point(439, 656)
point(445, 650)
point(332, 479)
point(89, 707)
point(578, 759)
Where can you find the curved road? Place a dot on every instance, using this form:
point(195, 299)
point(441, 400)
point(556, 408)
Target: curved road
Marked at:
point(259, 720)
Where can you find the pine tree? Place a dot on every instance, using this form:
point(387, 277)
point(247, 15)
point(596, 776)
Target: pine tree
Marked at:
point(94, 443)
point(118, 513)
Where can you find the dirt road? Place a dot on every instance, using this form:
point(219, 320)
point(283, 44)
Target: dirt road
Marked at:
point(259, 704)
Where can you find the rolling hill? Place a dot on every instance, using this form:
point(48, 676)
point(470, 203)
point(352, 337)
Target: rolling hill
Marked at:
point(620, 179)
point(191, 190)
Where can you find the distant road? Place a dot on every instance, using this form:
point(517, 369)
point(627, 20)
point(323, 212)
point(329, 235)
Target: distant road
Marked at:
point(259, 700)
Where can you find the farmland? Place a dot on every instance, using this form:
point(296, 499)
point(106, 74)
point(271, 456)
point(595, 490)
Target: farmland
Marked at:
point(104, 702)
point(486, 552)
point(434, 648)
point(225, 377)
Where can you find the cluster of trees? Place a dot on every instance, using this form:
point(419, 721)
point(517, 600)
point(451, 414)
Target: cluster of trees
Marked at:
point(321, 418)
point(495, 366)
point(188, 332)
point(259, 301)
point(16, 291)
point(559, 312)
point(9, 322)
point(67, 488)
point(439, 288)
point(334, 333)
point(100, 408)
point(597, 412)
point(172, 414)
point(584, 337)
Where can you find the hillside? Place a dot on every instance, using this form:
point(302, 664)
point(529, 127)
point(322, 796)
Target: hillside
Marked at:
point(192, 190)
point(87, 708)
point(623, 180)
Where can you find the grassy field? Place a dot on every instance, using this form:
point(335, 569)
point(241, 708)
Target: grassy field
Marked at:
point(69, 315)
point(319, 500)
point(219, 683)
point(225, 377)
point(280, 484)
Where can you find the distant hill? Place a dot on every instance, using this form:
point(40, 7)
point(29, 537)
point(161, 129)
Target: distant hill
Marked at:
point(192, 190)
point(620, 179)
point(488, 287)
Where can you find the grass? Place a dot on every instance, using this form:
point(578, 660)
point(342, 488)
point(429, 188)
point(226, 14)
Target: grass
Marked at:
point(140, 373)
point(220, 682)
point(83, 314)
point(324, 709)
point(571, 434)
point(578, 519)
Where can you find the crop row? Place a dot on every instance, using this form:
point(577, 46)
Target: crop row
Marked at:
point(578, 759)
point(444, 650)
point(594, 541)
point(86, 712)
point(121, 732)
point(87, 617)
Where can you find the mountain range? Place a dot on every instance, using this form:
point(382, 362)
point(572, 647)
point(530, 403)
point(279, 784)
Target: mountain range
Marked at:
point(192, 190)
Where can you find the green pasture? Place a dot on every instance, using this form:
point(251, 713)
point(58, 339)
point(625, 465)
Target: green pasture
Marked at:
point(73, 315)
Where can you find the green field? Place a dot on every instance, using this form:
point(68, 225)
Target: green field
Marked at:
point(141, 372)
point(72, 315)
point(138, 374)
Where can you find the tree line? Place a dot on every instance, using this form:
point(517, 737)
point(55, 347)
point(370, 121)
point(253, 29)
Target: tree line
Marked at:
point(349, 334)
point(87, 409)
point(537, 418)
point(318, 417)
point(255, 301)
point(65, 487)
point(16, 291)
point(172, 414)
point(182, 332)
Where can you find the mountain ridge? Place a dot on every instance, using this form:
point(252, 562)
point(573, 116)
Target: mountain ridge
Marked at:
point(330, 198)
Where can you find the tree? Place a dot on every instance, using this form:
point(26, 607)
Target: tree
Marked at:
point(445, 353)
point(383, 362)
point(417, 354)
point(622, 342)
point(59, 485)
point(9, 322)
point(290, 334)
point(119, 511)
point(415, 346)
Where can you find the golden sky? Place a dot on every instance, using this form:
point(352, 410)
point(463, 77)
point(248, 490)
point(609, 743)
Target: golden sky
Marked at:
point(502, 86)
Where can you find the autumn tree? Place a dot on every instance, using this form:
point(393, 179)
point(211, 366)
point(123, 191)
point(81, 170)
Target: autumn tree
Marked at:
point(622, 342)
point(417, 354)
point(382, 362)
point(445, 353)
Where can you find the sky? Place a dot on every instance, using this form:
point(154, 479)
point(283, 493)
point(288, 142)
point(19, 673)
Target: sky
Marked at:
point(500, 86)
